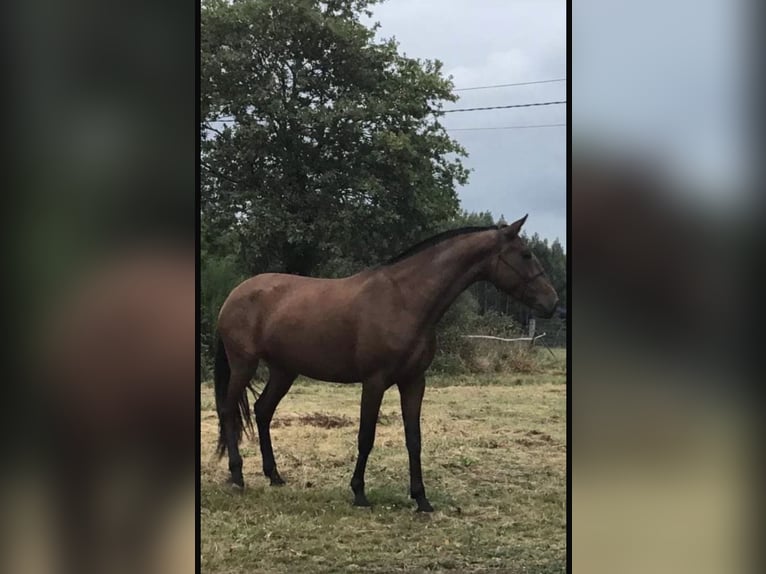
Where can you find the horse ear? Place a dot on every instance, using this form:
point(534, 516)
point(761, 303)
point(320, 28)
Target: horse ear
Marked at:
point(513, 229)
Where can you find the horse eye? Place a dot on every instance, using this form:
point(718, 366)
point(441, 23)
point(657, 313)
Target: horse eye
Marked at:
point(527, 255)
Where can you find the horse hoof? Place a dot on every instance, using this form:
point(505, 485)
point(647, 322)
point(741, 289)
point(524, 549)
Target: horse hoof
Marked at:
point(425, 507)
point(277, 481)
point(235, 485)
point(362, 503)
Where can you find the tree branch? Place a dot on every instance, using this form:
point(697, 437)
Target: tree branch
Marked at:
point(218, 173)
point(212, 129)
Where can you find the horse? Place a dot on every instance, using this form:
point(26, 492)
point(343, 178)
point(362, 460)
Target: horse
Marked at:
point(377, 327)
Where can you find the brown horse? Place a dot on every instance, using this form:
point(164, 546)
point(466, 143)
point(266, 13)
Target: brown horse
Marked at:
point(377, 327)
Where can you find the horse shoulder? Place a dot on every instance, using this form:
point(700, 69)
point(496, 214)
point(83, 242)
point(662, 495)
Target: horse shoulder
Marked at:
point(385, 320)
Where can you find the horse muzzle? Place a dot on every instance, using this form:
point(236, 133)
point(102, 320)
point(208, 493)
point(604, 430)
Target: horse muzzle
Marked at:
point(546, 311)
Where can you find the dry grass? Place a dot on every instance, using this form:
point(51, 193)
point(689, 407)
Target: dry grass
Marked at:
point(494, 468)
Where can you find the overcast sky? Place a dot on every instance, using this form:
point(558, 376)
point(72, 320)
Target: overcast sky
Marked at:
point(515, 171)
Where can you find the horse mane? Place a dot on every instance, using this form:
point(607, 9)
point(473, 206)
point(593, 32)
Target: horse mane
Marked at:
point(435, 239)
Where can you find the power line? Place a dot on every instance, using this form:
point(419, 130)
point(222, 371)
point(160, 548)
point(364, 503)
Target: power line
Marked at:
point(502, 107)
point(220, 120)
point(506, 127)
point(509, 85)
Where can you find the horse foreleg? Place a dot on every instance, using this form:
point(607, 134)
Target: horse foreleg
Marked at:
point(372, 396)
point(411, 394)
point(277, 387)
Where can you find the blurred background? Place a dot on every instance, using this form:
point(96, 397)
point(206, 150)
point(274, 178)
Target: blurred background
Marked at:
point(662, 228)
point(99, 405)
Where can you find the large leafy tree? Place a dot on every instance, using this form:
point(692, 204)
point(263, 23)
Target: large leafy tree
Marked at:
point(332, 152)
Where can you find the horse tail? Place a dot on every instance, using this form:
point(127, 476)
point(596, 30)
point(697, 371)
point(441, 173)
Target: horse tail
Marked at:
point(221, 376)
point(243, 420)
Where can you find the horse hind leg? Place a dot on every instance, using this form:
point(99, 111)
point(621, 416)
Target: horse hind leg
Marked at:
point(276, 388)
point(236, 416)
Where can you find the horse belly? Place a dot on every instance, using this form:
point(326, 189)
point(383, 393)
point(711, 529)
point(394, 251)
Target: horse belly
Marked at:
point(315, 352)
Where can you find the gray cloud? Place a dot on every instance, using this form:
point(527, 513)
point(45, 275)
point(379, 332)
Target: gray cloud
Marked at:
point(495, 42)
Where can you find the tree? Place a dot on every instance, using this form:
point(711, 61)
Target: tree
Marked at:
point(219, 272)
point(334, 156)
point(471, 219)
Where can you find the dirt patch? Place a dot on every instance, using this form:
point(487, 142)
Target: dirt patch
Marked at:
point(321, 420)
point(525, 442)
point(388, 418)
point(326, 421)
point(534, 438)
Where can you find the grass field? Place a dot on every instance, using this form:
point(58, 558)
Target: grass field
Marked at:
point(494, 466)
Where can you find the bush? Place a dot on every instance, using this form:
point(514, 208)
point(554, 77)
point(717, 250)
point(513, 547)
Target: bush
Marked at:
point(458, 354)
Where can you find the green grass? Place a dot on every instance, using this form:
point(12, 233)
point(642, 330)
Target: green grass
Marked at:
point(493, 464)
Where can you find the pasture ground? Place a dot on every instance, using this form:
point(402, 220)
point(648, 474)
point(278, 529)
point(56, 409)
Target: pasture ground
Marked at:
point(494, 466)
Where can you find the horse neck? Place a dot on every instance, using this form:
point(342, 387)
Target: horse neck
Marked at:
point(434, 278)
